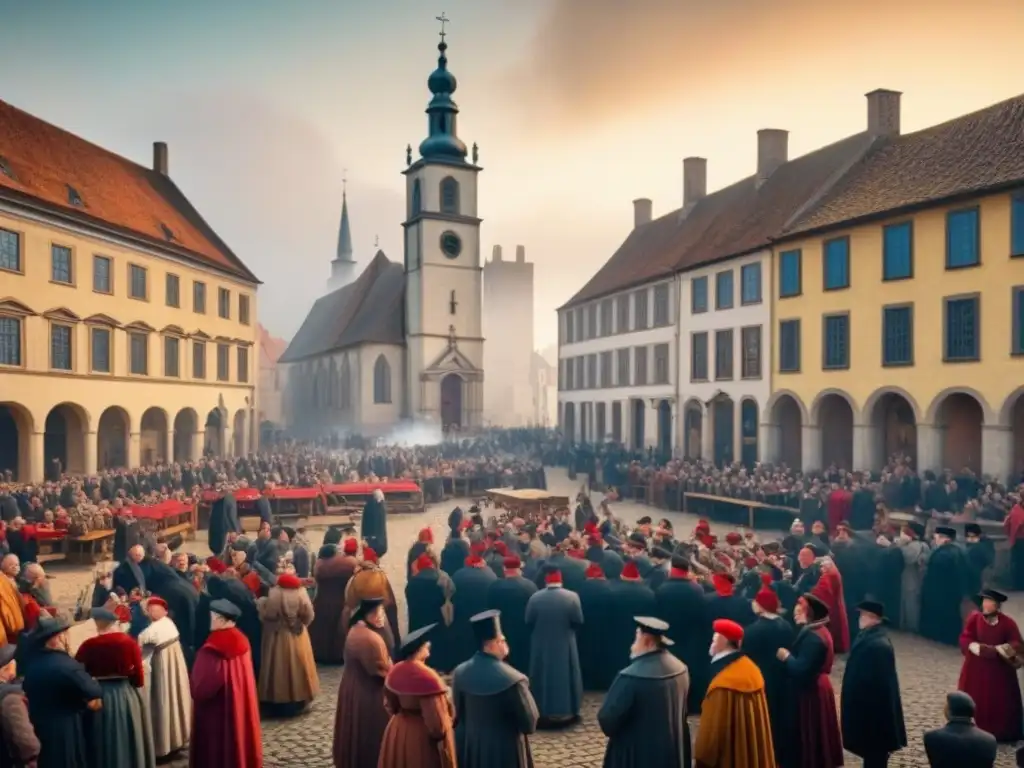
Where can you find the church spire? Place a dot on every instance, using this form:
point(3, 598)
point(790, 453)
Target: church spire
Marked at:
point(442, 142)
point(344, 232)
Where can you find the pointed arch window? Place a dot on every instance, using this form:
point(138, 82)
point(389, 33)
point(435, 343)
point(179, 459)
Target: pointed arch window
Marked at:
point(417, 199)
point(345, 385)
point(449, 195)
point(381, 381)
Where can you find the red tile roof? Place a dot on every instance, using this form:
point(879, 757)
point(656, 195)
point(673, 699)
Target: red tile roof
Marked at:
point(972, 154)
point(271, 347)
point(739, 219)
point(115, 193)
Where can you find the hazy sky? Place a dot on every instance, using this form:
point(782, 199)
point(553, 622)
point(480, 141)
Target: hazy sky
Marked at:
point(579, 106)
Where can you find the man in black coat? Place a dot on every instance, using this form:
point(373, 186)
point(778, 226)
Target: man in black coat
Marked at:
point(471, 586)
point(574, 572)
point(373, 527)
point(597, 662)
point(630, 597)
point(182, 602)
point(725, 604)
point(456, 549)
point(761, 642)
point(428, 597)
point(960, 743)
point(946, 584)
point(681, 603)
point(872, 711)
point(509, 595)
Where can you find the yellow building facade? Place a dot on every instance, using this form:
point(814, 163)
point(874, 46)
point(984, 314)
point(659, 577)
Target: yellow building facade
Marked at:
point(117, 349)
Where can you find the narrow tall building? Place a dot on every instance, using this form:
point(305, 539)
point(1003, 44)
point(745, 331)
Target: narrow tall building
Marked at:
point(343, 266)
point(508, 327)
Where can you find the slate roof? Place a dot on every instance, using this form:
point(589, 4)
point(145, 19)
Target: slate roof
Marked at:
point(47, 166)
point(972, 154)
point(369, 310)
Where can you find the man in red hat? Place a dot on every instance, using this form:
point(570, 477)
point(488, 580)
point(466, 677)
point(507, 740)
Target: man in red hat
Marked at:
point(630, 597)
point(725, 603)
point(597, 659)
point(510, 596)
point(682, 603)
point(553, 616)
point(735, 727)
point(471, 584)
point(167, 682)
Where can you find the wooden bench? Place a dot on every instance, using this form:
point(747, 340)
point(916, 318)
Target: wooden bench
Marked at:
point(51, 550)
point(92, 547)
point(185, 529)
point(750, 506)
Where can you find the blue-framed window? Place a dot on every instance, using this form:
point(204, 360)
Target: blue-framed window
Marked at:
point(836, 338)
point(1017, 225)
point(897, 336)
point(963, 239)
point(898, 251)
point(699, 295)
point(723, 290)
point(836, 267)
point(750, 284)
point(789, 346)
point(790, 273)
point(963, 329)
point(1018, 321)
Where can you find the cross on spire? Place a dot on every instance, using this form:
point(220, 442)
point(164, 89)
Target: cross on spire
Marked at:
point(344, 180)
point(376, 241)
point(444, 20)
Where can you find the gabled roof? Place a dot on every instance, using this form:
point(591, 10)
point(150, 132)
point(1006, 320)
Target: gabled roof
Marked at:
point(271, 347)
point(370, 310)
point(972, 154)
point(739, 219)
point(66, 175)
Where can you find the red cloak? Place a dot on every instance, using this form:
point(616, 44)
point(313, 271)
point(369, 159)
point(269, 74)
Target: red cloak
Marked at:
point(990, 680)
point(113, 654)
point(225, 710)
point(829, 590)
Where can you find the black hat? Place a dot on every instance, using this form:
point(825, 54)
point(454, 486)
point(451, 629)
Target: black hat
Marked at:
point(332, 535)
point(818, 608)
point(226, 608)
point(49, 626)
point(681, 562)
point(652, 626)
point(455, 518)
point(289, 531)
point(972, 529)
point(7, 654)
point(100, 614)
point(639, 539)
point(645, 520)
point(414, 641)
point(871, 606)
point(944, 530)
point(486, 626)
point(327, 551)
point(661, 553)
point(992, 594)
point(917, 528)
point(816, 548)
point(366, 605)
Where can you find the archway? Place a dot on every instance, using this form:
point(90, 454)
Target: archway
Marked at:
point(1014, 417)
point(186, 422)
point(639, 417)
point(569, 422)
point(600, 419)
point(665, 427)
point(748, 432)
point(723, 421)
point(215, 432)
point(15, 435)
point(788, 421)
point(153, 436)
point(617, 421)
point(238, 427)
point(895, 427)
point(64, 440)
point(835, 420)
point(112, 437)
point(960, 417)
point(451, 401)
point(693, 423)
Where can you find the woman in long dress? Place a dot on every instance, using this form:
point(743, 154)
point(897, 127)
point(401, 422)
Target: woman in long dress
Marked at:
point(288, 678)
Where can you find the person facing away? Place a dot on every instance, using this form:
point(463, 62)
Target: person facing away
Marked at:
point(494, 709)
point(644, 712)
point(960, 743)
point(19, 745)
point(373, 526)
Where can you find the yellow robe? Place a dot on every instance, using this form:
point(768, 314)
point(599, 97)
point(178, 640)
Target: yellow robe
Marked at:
point(735, 729)
point(12, 616)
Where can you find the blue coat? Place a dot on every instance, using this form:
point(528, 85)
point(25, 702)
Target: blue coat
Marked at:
point(554, 615)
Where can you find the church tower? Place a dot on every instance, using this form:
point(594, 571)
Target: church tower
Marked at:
point(443, 271)
point(343, 267)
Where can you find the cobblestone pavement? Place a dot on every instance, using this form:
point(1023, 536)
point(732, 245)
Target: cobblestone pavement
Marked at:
point(927, 671)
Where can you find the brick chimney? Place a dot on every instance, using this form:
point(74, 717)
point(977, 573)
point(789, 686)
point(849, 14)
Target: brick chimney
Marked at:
point(496, 253)
point(520, 254)
point(772, 151)
point(695, 179)
point(160, 157)
point(642, 211)
point(884, 112)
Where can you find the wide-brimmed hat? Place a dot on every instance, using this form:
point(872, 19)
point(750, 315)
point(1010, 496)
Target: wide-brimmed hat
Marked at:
point(366, 605)
point(992, 594)
point(49, 626)
point(873, 607)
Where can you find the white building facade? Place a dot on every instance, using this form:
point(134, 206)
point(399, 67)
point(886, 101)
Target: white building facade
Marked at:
point(508, 327)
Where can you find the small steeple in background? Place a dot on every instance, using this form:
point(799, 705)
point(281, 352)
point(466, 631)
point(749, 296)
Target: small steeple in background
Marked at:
point(344, 231)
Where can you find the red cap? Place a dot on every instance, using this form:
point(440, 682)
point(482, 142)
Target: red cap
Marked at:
point(369, 555)
point(703, 525)
point(679, 573)
point(554, 576)
point(288, 581)
point(594, 571)
point(767, 599)
point(350, 547)
point(426, 536)
point(157, 601)
point(501, 548)
point(630, 572)
point(512, 563)
point(589, 528)
point(732, 538)
point(477, 548)
point(424, 562)
point(723, 583)
point(707, 540)
point(750, 562)
point(216, 565)
point(730, 630)
point(577, 554)
point(766, 579)
point(474, 561)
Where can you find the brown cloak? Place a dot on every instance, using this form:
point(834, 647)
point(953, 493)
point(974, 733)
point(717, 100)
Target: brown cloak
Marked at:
point(361, 718)
point(287, 670)
point(420, 733)
point(735, 730)
point(327, 632)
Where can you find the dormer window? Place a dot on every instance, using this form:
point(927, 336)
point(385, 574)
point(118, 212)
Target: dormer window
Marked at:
point(168, 233)
point(5, 168)
point(74, 198)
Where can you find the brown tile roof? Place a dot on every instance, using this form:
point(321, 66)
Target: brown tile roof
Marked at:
point(739, 219)
point(271, 347)
point(48, 166)
point(370, 310)
point(972, 154)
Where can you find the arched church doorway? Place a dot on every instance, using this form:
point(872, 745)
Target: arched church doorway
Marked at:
point(835, 420)
point(451, 402)
point(895, 427)
point(112, 438)
point(215, 432)
point(185, 424)
point(153, 436)
point(64, 440)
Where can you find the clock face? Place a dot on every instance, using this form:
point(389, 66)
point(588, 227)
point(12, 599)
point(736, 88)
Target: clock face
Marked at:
point(451, 245)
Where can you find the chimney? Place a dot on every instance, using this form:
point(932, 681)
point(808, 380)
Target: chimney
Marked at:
point(772, 151)
point(884, 112)
point(521, 253)
point(496, 253)
point(641, 211)
point(160, 157)
point(695, 179)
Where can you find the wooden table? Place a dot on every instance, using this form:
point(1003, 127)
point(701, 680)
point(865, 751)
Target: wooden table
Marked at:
point(92, 547)
point(750, 505)
point(51, 550)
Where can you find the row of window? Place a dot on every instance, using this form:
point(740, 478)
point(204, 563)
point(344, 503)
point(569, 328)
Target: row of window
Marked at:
point(596, 371)
point(725, 291)
point(963, 249)
point(750, 354)
point(62, 352)
point(612, 316)
point(62, 270)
